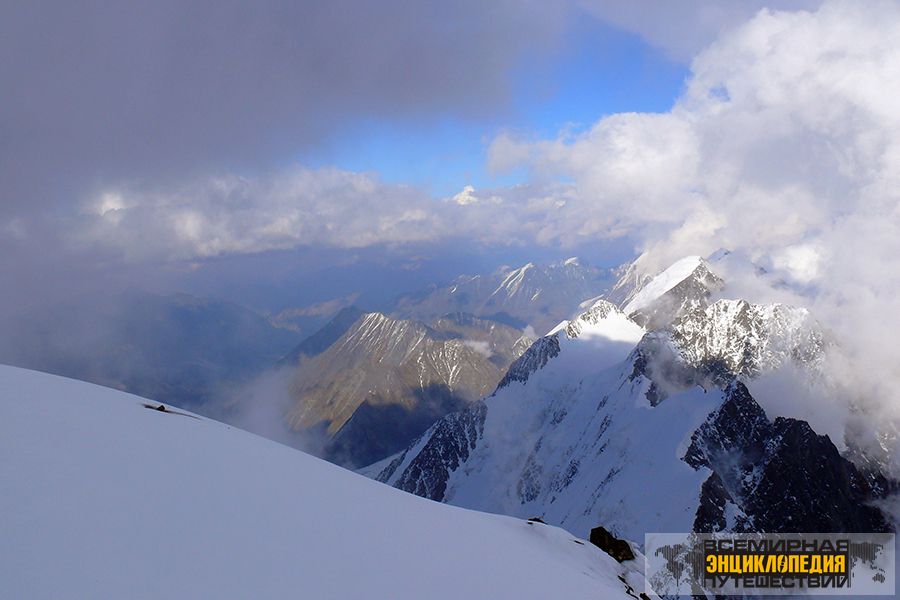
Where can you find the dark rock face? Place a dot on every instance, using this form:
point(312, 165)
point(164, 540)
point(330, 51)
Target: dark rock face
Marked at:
point(618, 549)
point(776, 477)
point(449, 444)
point(533, 359)
point(379, 430)
point(733, 440)
point(807, 486)
point(714, 500)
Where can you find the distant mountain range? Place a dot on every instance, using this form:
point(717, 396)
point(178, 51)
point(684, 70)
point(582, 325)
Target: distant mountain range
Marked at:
point(641, 417)
point(533, 295)
point(639, 409)
point(177, 349)
point(366, 383)
point(369, 383)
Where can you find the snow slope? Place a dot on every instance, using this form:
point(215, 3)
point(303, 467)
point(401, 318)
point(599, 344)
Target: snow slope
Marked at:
point(103, 498)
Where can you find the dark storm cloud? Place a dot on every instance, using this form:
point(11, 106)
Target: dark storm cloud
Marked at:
point(94, 91)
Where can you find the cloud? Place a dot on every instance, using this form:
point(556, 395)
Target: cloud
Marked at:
point(109, 108)
point(297, 207)
point(466, 196)
point(481, 347)
point(784, 134)
point(289, 208)
point(782, 142)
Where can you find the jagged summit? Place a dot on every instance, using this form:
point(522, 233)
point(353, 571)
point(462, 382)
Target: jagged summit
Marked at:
point(662, 283)
point(749, 338)
point(775, 476)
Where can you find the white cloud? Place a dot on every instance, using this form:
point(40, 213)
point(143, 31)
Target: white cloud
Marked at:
point(786, 128)
point(481, 347)
point(466, 196)
point(281, 210)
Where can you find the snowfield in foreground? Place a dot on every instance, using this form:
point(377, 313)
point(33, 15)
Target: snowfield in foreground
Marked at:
point(103, 498)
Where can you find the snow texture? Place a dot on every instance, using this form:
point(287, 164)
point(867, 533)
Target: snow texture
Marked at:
point(103, 498)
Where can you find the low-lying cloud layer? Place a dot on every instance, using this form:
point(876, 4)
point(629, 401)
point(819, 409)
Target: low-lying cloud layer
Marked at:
point(162, 118)
point(784, 144)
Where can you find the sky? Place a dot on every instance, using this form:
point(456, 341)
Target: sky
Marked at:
point(169, 145)
point(599, 69)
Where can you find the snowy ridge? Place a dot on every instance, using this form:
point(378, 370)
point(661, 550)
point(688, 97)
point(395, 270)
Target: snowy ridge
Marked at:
point(106, 499)
point(605, 321)
point(603, 324)
point(512, 284)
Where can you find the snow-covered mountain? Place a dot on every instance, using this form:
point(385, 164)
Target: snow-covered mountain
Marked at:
point(606, 422)
point(103, 498)
point(539, 295)
point(373, 383)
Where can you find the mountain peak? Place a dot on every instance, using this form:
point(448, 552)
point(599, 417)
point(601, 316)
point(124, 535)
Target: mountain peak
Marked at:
point(663, 282)
point(685, 285)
